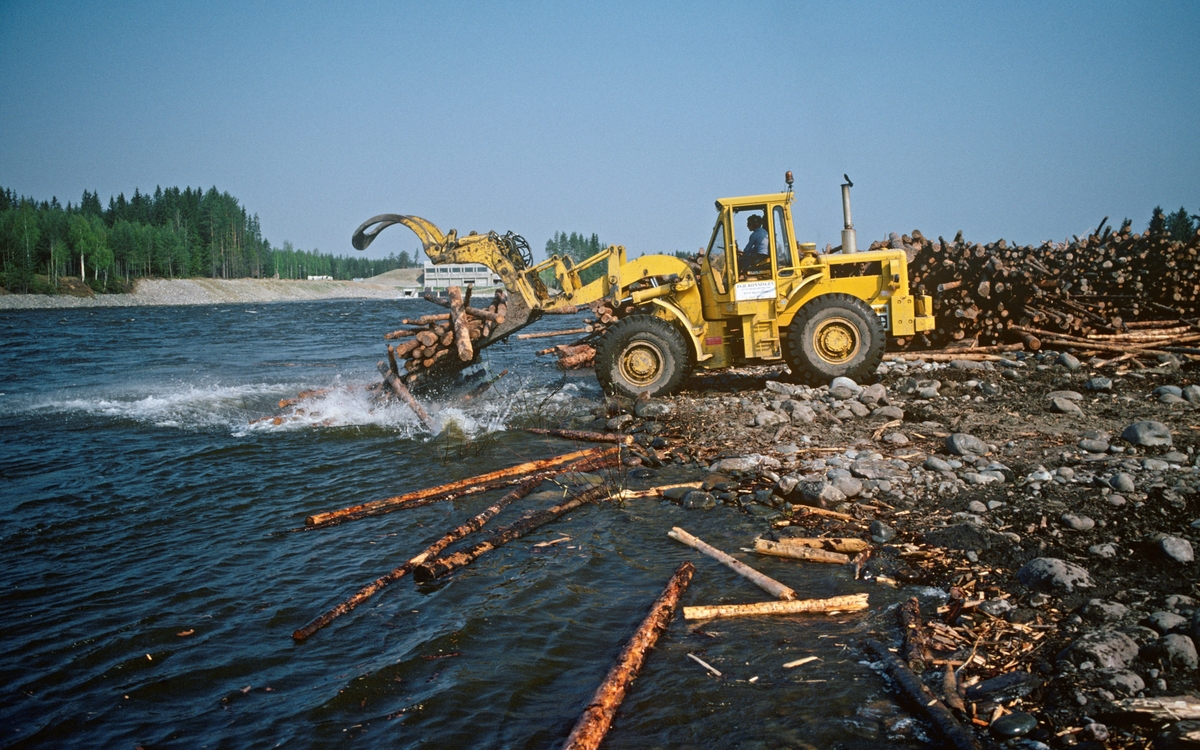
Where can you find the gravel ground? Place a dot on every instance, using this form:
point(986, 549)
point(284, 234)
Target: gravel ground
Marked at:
point(1057, 502)
point(208, 292)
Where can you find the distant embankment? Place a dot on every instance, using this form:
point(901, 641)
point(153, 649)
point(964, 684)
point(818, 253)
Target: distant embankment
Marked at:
point(209, 292)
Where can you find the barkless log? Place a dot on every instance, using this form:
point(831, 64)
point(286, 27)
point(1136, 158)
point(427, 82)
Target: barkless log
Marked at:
point(799, 552)
point(845, 545)
point(850, 603)
point(766, 583)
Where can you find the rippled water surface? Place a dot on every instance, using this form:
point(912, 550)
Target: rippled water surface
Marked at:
point(151, 584)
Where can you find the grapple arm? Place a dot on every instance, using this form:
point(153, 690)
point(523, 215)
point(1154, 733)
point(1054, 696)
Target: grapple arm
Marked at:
point(507, 255)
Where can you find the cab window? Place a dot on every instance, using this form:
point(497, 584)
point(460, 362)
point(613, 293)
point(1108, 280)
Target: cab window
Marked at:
point(783, 244)
point(753, 251)
point(718, 259)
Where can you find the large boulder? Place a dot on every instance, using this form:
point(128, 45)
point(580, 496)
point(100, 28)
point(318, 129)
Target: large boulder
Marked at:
point(1052, 574)
point(820, 494)
point(1175, 651)
point(874, 395)
point(961, 444)
point(652, 409)
point(1107, 649)
point(1147, 433)
point(1176, 549)
point(770, 419)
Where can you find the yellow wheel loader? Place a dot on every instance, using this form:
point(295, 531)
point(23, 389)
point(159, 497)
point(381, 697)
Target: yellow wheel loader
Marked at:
point(754, 295)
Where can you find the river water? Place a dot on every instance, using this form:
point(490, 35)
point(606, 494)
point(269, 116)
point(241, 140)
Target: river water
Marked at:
point(151, 584)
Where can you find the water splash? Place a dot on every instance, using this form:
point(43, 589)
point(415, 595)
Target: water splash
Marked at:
point(181, 406)
point(333, 403)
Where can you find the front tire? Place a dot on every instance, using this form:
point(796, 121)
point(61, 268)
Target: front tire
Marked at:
point(835, 335)
point(642, 354)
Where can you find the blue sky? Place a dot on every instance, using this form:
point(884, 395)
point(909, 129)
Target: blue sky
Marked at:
point(1027, 121)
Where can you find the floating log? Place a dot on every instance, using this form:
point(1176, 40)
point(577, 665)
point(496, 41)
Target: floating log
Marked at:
point(462, 334)
point(470, 485)
point(549, 334)
point(400, 390)
point(598, 716)
point(433, 550)
point(845, 545)
point(916, 647)
point(799, 552)
point(766, 583)
point(922, 698)
point(849, 603)
point(584, 435)
point(433, 569)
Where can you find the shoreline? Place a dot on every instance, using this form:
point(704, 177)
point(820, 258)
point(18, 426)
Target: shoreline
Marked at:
point(1052, 554)
point(170, 292)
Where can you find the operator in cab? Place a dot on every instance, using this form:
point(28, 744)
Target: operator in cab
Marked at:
point(755, 256)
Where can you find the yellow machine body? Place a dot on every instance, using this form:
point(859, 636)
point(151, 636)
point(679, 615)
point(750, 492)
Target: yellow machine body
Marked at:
point(729, 311)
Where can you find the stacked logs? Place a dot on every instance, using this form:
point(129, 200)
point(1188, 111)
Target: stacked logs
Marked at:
point(582, 353)
point(431, 338)
point(1107, 283)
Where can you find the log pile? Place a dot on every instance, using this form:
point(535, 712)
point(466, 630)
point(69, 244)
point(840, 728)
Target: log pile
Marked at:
point(582, 353)
point(429, 339)
point(1101, 292)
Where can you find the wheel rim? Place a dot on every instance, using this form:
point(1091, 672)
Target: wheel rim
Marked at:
point(641, 363)
point(836, 340)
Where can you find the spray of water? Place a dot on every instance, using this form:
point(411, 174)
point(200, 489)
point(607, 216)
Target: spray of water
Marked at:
point(255, 408)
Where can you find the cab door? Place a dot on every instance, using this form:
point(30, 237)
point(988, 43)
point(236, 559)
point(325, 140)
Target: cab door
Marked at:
point(752, 307)
point(718, 270)
point(785, 264)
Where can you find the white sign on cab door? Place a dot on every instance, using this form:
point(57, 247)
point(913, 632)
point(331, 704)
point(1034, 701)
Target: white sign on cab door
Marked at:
point(751, 290)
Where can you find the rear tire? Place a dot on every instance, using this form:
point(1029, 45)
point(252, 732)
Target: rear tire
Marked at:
point(835, 335)
point(642, 354)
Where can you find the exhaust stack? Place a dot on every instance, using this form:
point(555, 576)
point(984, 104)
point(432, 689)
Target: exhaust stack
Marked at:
point(849, 239)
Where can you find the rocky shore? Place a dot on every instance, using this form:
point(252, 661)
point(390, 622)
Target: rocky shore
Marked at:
point(1044, 511)
point(208, 292)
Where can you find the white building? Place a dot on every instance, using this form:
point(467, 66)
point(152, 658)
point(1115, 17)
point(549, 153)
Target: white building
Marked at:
point(437, 278)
